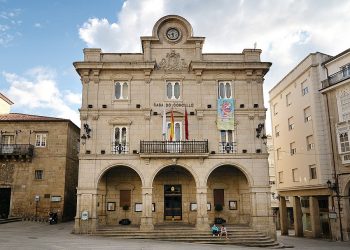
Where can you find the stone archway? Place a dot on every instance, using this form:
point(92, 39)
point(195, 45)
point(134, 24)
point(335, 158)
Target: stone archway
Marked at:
point(174, 190)
point(346, 211)
point(119, 195)
point(229, 187)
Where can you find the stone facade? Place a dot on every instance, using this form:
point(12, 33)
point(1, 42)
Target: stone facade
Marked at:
point(336, 92)
point(301, 150)
point(125, 158)
point(38, 166)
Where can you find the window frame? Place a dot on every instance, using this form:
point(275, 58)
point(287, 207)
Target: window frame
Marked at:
point(122, 83)
point(313, 176)
point(38, 174)
point(310, 144)
point(42, 140)
point(173, 83)
point(280, 177)
point(168, 130)
point(10, 139)
point(293, 149)
point(224, 82)
point(291, 123)
point(294, 173)
point(288, 99)
point(124, 145)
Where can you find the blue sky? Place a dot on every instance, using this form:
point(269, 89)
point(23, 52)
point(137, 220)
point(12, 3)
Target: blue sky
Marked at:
point(40, 39)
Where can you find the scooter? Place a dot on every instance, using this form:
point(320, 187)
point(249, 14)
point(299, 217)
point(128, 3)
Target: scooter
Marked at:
point(53, 218)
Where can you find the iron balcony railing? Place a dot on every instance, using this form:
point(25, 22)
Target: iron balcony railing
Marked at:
point(336, 77)
point(174, 147)
point(120, 148)
point(16, 150)
point(227, 147)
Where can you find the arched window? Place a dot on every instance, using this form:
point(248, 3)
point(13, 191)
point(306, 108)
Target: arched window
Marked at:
point(121, 90)
point(225, 89)
point(173, 90)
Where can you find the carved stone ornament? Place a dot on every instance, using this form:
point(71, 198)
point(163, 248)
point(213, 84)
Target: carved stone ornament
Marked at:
point(6, 173)
point(172, 62)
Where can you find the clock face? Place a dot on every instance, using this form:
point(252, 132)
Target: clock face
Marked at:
point(172, 34)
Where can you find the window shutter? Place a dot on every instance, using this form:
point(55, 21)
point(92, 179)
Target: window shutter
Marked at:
point(125, 198)
point(219, 197)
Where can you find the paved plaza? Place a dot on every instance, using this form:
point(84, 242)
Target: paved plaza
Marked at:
point(35, 235)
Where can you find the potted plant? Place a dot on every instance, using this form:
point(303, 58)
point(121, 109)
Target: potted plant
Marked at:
point(125, 221)
point(218, 209)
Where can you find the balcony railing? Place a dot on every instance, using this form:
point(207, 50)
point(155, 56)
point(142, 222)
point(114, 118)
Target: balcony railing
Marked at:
point(120, 148)
point(26, 150)
point(336, 77)
point(174, 147)
point(227, 147)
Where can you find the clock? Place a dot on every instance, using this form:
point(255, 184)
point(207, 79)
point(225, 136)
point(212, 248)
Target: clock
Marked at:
point(172, 34)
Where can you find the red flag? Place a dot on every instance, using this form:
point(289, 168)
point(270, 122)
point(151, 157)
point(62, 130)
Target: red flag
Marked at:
point(186, 125)
point(172, 124)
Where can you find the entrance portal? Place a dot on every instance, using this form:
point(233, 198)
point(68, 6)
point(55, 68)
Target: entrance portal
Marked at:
point(5, 197)
point(172, 202)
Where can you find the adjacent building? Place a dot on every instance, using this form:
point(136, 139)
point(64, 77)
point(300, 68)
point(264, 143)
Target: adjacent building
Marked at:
point(303, 157)
point(336, 94)
point(38, 166)
point(172, 135)
point(5, 104)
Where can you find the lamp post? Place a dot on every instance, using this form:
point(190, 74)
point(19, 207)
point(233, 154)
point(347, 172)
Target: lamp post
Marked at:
point(335, 188)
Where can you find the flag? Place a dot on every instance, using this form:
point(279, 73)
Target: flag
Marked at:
point(164, 125)
point(172, 126)
point(186, 125)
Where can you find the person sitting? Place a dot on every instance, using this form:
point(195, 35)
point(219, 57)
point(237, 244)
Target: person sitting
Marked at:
point(223, 231)
point(215, 230)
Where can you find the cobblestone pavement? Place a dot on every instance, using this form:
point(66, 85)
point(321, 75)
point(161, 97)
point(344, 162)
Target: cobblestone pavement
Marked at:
point(34, 235)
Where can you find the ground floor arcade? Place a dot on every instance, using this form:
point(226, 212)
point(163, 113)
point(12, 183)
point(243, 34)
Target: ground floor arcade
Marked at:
point(175, 192)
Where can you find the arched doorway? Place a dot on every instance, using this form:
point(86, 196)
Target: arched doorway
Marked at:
point(119, 196)
point(229, 197)
point(174, 192)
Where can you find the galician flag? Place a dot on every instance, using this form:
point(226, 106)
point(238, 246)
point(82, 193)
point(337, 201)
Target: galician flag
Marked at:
point(172, 124)
point(186, 124)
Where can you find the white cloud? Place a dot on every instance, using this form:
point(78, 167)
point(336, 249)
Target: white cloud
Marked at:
point(8, 27)
point(37, 89)
point(37, 25)
point(286, 31)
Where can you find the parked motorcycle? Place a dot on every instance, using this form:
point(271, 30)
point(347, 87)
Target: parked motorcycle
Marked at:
point(53, 218)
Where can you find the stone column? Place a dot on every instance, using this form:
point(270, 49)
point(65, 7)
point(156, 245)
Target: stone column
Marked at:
point(146, 218)
point(202, 214)
point(298, 223)
point(283, 216)
point(94, 218)
point(315, 217)
point(77, 216)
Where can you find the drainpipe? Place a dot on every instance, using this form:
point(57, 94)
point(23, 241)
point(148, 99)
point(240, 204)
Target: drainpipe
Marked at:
point(334, 168)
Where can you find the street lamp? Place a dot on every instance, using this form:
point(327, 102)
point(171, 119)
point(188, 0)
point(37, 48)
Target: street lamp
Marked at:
point(335, 188)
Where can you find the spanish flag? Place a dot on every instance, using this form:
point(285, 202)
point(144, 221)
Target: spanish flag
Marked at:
point(172, 124)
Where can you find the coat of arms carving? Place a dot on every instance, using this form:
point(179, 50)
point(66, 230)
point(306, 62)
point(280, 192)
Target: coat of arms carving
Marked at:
point(172, 62)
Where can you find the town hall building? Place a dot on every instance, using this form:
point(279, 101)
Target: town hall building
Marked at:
point(173, 135)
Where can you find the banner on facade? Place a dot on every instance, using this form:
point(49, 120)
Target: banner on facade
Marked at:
point(225, 119)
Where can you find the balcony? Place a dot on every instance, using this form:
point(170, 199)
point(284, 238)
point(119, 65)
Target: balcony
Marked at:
point(227, 147)
point(336, 78)
point(16, 151)
point(189, 149)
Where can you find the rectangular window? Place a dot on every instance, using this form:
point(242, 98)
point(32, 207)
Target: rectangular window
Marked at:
point(173, 90)
point(310, 145)
point(304, 89)
point(295, 174)
point(40, 140)
point(307, 114)
point(313, 174)
point(280, 177)
point(120, 141)
point(344, 142)
point(39, 174)
point(7, 139)
point(288, 99)
point(345, 70)
point(291, 123)
point(121, 90)
point(224, 89)
point(219, 197)
point(177, 131)
point(293, 149)
point(279, 156)
point(275, 109)
point(226, 141)
point(277, 130)
point(125, 198)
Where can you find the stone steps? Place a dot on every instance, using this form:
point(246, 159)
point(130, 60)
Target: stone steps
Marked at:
point(241, 235)
point(10, 219)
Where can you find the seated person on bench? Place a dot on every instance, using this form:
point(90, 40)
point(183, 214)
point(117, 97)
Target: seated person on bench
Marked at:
point(223, 231)
point(215, 230)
